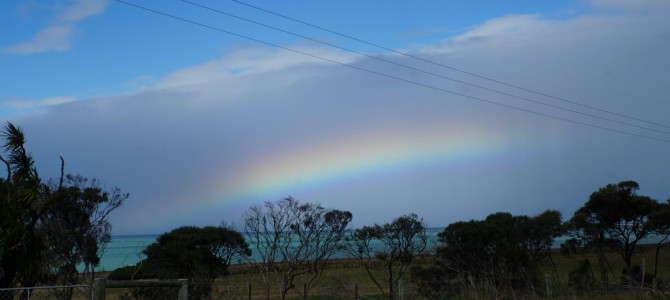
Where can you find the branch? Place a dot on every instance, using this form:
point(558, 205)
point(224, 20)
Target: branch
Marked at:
point(9, 168)
point(9, 175)
point(62, 172)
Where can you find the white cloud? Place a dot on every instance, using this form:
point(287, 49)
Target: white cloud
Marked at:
point(58, 35)
point(24, 106)
point(82, 9)
point(248, 61)
point(52, 38)
point(35, 103)
point(504, 26)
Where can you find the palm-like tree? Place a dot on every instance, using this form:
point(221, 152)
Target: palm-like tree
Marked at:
point(21, 205)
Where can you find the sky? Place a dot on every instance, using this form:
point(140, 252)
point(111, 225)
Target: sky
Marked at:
point(448, 109)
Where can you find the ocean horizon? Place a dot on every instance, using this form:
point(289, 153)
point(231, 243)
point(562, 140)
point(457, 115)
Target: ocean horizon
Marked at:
point(126, 250)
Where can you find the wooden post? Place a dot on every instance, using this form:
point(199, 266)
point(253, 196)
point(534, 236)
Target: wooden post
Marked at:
point(183, 289)
point(99, 286)
point(356, 291)
point(654, 284)
point(249, 290)
point(644, 269)
point(546, 285)
point(304, 290)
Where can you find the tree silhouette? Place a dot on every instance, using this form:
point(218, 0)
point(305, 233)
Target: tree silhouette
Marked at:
point(294, 239)
point(615, 217)
point(389, 248)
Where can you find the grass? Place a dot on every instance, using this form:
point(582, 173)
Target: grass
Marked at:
point(343, 277)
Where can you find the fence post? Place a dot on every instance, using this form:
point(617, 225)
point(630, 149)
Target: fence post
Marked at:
point(249, 290)
point(356, 291)
point(304, 290)
point(546, 285)
point(183, 289)
point(99, 287)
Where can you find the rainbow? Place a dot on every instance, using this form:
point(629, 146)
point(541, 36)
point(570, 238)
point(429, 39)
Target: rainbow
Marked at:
point(347, 159)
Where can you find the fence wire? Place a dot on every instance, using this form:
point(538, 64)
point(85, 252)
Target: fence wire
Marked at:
point(143, 293)
point(69, 292)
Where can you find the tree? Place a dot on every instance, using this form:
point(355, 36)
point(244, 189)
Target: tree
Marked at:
point(616, 217)
point(502, 251)
point(199, 254)
point(76, 226)
point(23, 202)
point(389, 248)
point(294, 239)
point(659, 221)
point(47, 229)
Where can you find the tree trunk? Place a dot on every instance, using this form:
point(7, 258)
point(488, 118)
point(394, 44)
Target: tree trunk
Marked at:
point(601, 262)
point(658, 248)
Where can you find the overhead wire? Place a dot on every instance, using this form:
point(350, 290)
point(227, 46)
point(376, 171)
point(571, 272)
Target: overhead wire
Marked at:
point(421, 70)
point(450, 67)
point(390, 76)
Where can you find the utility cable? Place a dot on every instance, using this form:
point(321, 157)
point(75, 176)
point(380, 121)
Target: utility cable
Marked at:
point(449, 67)
point(389, 76)
point(422, 71)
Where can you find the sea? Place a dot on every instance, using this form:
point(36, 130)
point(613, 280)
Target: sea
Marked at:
point(126, 250)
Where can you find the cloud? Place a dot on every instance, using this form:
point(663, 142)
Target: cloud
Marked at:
point(51, 38)
point(17, 106)
point(194, 149)
point(26, 103)
point(58, 35)
point(249, 61)
point(81, 9)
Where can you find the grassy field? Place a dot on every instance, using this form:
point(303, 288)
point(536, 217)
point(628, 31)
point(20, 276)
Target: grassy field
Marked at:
point(343, 277)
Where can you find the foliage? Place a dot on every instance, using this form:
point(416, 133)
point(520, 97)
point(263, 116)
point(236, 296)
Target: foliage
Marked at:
point(294, 239)
point(659, 222)
point(581, 277)
point(76, 227)
point(46, 229)
point(501, 251)
point(616, 217)
point(23, 202)
point(389, 248)
point(199, 254)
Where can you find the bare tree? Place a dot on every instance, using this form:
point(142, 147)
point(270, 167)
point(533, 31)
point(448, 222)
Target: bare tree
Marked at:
point(294, 239)
point(389, 248)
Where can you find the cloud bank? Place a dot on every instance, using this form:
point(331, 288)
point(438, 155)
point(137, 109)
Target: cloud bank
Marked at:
point(205, 142)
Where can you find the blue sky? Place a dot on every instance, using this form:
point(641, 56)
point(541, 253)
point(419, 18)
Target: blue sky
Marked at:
point(197, 125)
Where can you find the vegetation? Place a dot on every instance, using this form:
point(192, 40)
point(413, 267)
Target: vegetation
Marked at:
point(615, 217)
point(401, 242)
point(198, 254)
point(47, 229)
point(294, 239)
point(501, 252)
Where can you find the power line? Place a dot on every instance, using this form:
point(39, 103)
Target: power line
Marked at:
point(450, 67)
point(390, 76)
point(422, 71)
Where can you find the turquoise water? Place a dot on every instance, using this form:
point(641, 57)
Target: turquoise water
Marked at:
point(126, 250)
